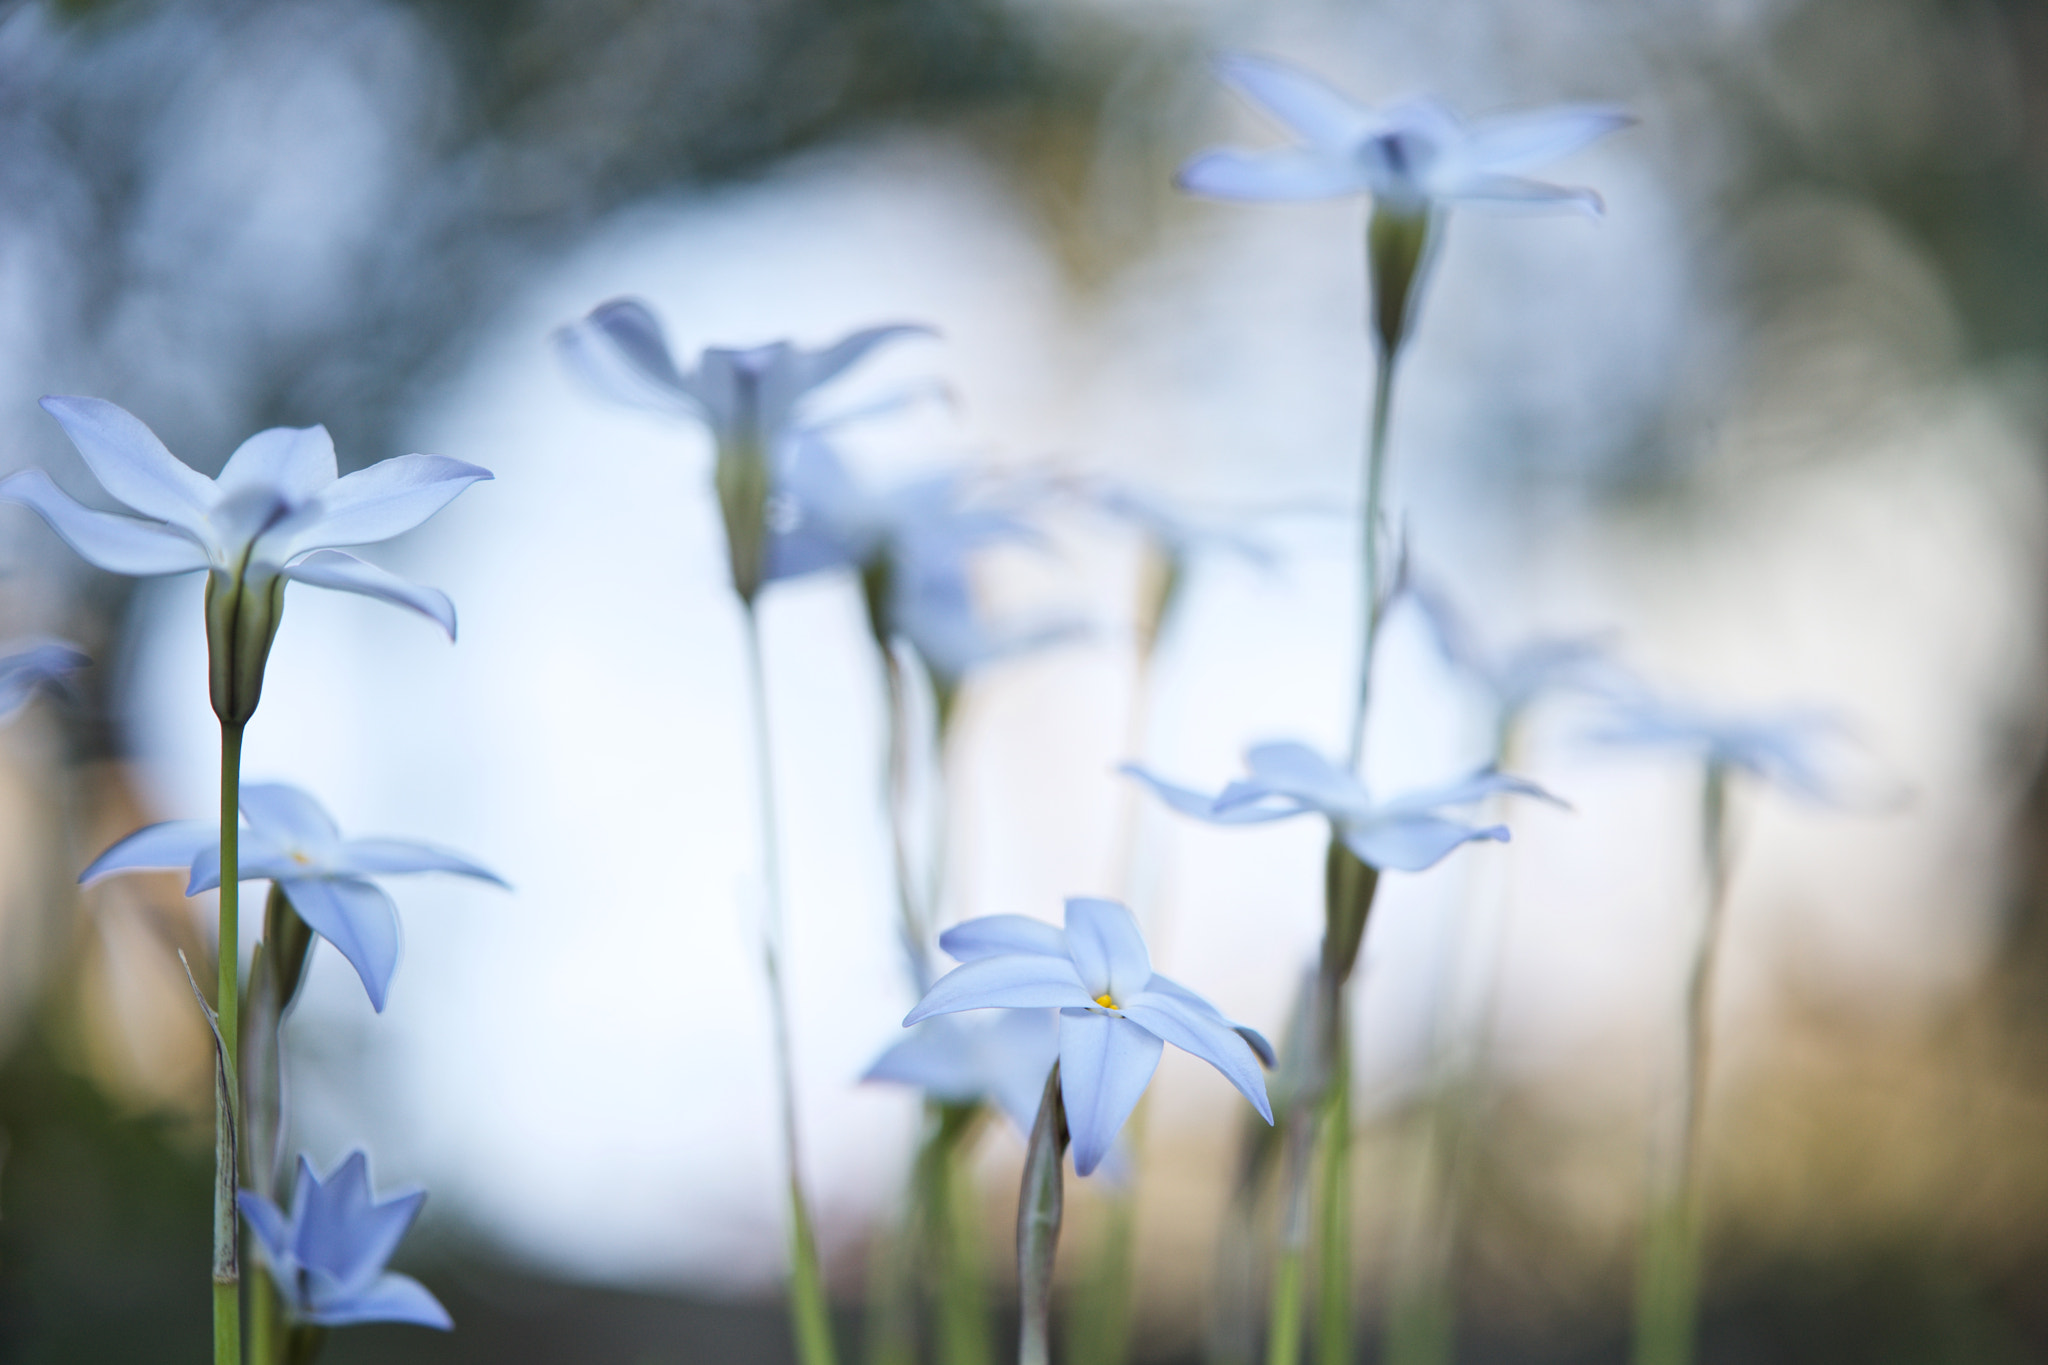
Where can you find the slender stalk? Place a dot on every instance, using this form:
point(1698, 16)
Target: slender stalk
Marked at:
point(810, 1316)
point(1333, 1318)
point(916, 917)
point(962, 1302)
point(1039, 1209)
point(1667, 1297)
point(1283, 1329)
point(227, 1307)
point(264, 1339)
point(1370, 587)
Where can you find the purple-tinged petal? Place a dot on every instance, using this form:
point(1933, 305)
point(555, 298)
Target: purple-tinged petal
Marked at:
point(387, 499)
point(346, 573)
point(1105, 1064)
point(358, 919)
point(1011, 981)
point(346, 1232)
point(619, 351)
point(290, 817)
point(1207, 1035)
point(1520, 142)
point(369, 857)
point(132, 464)
point(1513, 191)
point(818, 368)
point(115, 543)
point(1107, 947)
point(173, 844)
point(1190, 802)
point(1411, 843)
point(390, 1298)
point(995, 935)
point(1324, 117)
point(268, 1222)
point(292, 462)
point(36, 665)
point(1280, 176)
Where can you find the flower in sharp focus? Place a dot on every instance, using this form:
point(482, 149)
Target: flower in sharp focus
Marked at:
point(27, 665)
point(752, 400)
point(1781, 748)
point(1116, 1013)
point(1406, 834)
point(1408, 156)
point(278, 508)
point(291, 841)
point(327, 1255)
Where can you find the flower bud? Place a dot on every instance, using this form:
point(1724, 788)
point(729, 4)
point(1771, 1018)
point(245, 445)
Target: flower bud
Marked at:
point(1397, 244)
point(242, 614)
point(1349, 884)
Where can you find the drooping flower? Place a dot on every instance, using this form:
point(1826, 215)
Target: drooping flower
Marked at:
point(27, 665)
point(754, 401)
point(277, 512)
point(291, 841)
point(965, 1059)
point(1116, 1013)
point(1781, 748)
point(1408, 156)
point(327, 1255)
point(1406, 834)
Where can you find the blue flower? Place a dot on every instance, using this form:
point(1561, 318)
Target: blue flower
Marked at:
point(327, 1256)
point(1116, 1013)
point(1520, 675)
point(958, 1059)
point(276, 511)
point(291, 841)
point(1406, 834)
point(29, 665)
point(1409, 156)
point(1779, 748)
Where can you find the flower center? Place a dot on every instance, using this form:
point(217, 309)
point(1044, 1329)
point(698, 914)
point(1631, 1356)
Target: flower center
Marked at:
point(1104, 1001)
point(301, 859)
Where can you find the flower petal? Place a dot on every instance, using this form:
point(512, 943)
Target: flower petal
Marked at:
point(387, 499)
point(115, 543)
point(1323, 116)
point(1207, 1035)
point(132, 464)
point(1010, 981)
point(267, 1221)
point(1190, 802)
point(346, 1232)
point(171, 844)
point(619, 351)
point(1466, 790)
point(992, 935)
point(1521, 142)
point(818, 368)
point(390, 1298)
point(367, 857)
point(358, 919)
point(1286, 173)
point(36, 665)
point(1293, 769)
point(1513, 191)
point(1412, 842)
point(289, 816)
point(261, 858)
point(1105, 1064)
point(346, 573)
point(1107, 947)
point(295, 462)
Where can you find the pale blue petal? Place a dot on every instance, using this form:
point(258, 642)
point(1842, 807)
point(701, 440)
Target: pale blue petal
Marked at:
point(161, 847)
point(1017, 981)
point(368, 857)
point(32, 666)
point(1019, 1048)
point(387, 499)
point(993, 935)
point(1510, 191)
point(390, 1298)
point(818, 368)
point(619, 351)
point(1204, 1033)
point(1282, 175)
point(1466, 790)
point(939, 1057)
point(115, 543)
point(358, 919)
point(293, 462)
point(1107, 947)
point(132, 464)
point(346, 573)
point(1322, 116)
point(1190, 802)
point(1105, 1064)
point(1521, 142)
point(1293, 769)
point(267, 1221)
point(290, 817)
point(1410, 843)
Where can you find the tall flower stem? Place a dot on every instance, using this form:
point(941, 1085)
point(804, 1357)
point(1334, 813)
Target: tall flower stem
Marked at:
point(1040, 1204)
point(1370, 586)
point(1333, 1236)
point(915, 891)
point(227, 1306)
point(810, 1316)
point(1667, 1295)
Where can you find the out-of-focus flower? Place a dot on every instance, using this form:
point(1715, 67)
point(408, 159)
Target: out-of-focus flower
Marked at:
point(1406, 834)
point(327, 1255)
point(753, 401)
point(291, 841)
point(1778, 748)
point(27, 665)
point(1116, 1013)
point(1408, 156)
point(965, 1059)
point(1517, 677)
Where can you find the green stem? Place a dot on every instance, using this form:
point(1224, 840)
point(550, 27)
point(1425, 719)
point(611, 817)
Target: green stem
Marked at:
point(1370, 586)
point(227, 1308)
point(1333, 1323)
point(1667, 1302)
point(263, 1324)
point(963, 1324)
point(1283, 1331)
point(810, 1315)
point(1040, 1206)
point(914, 894)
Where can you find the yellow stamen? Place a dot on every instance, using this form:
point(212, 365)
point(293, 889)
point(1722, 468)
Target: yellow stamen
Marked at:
point(1104, 1001)
point(301, 859)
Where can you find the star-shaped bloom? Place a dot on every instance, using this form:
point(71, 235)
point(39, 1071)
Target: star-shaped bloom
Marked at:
point(1518, 676)
point(278, 508)
point(27, 665)
point(1406, 834)
point(1780, 748)
point(965, 1059)
point(291, 841)
point(327, 1255)
point(1116, 1013)
point(1407, 156)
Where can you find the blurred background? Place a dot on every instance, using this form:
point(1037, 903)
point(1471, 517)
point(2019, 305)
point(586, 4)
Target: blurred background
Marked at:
point(1776, 428)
